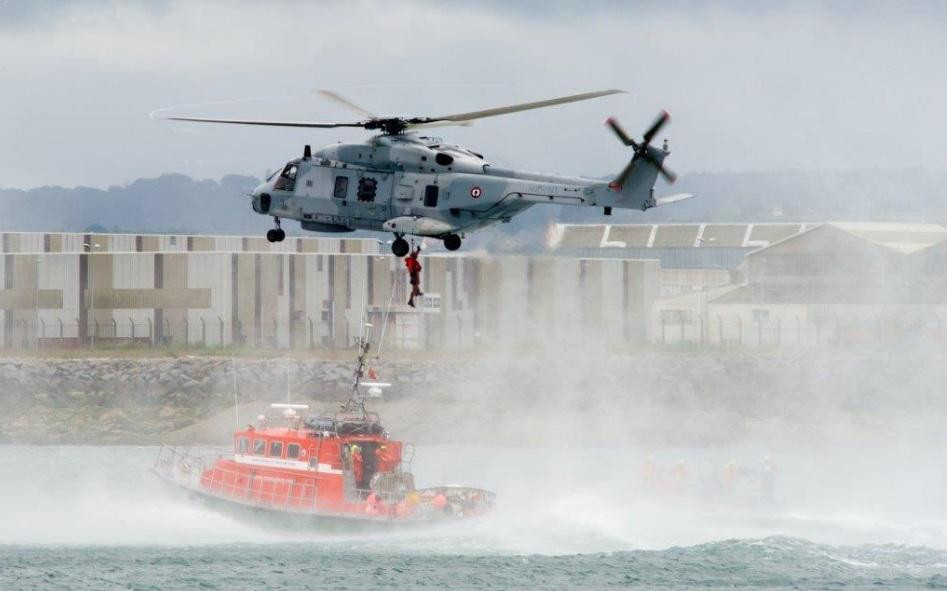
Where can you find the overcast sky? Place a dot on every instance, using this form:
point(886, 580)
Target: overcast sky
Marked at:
point(750, 86)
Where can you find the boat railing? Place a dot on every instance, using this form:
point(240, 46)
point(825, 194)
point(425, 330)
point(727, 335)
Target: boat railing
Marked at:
point(185, 464)
point(407, 456)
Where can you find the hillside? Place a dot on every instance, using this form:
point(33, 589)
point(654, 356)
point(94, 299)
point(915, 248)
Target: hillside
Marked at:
point(177, 203)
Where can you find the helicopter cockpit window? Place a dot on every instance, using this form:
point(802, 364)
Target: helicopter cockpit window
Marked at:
point(287, 179)
point(367, 188)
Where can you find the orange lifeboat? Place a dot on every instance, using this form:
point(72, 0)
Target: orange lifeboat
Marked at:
point(308, 469)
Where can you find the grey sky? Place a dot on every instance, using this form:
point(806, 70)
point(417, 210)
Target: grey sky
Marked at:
point(846, 85)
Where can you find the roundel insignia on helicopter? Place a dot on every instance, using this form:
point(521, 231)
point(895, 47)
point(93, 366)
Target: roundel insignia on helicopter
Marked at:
point(476, 192)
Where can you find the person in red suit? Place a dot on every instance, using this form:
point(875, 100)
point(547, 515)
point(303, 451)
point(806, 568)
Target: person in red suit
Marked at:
point(414, 271)
point(358, 465)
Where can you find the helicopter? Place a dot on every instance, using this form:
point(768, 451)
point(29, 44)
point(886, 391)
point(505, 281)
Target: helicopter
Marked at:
point(408, 184)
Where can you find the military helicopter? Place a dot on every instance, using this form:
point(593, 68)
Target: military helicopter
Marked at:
point(414, 185)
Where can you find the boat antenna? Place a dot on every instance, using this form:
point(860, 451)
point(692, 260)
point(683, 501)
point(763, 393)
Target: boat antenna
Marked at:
point(236, 408)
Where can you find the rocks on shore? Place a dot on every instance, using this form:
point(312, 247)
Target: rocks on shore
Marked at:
point(681, 397)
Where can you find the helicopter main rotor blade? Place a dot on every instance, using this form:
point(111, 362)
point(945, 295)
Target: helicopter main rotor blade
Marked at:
point(413, 126)
point(269, 123)
point(395, 125)
point(516, 108)
point(338, 98)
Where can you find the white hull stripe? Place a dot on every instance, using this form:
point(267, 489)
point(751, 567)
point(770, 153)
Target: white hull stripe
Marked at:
point(281, 463)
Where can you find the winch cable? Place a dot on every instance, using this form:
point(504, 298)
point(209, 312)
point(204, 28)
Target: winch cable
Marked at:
point(384, 325)
point(362, 327)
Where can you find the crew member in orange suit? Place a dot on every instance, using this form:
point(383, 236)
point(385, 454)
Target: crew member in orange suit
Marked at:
point(384, 460)
point(357, 465)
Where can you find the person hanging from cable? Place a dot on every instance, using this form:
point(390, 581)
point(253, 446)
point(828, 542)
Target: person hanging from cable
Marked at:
point(414, 271)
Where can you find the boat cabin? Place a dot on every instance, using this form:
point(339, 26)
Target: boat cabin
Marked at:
point(323, 461)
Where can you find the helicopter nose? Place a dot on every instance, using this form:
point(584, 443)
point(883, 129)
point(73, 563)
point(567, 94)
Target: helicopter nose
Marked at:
point(261, 200)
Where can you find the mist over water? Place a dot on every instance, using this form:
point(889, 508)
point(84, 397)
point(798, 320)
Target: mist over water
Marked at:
point(853, 438)
point(553, 500)
point(564, 430)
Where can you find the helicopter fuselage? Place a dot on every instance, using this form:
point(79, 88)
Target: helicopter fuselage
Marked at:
point(410, 185)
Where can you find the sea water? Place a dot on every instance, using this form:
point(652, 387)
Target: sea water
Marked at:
point(78, 517)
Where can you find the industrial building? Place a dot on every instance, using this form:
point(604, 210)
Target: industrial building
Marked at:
point(704, 284)
point(831, 283)
point(80, 290)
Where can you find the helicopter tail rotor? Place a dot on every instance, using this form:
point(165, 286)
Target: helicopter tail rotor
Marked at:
point(643, 150)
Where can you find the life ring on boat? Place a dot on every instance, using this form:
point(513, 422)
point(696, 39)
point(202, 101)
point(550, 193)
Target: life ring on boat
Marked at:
point(302, 453)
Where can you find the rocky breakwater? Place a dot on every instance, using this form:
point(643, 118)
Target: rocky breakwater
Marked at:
point(105, 400)
point(515, 397)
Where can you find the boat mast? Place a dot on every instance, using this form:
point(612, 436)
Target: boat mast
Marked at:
point(355, 401)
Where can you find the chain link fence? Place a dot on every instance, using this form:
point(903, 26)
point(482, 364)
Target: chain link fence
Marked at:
point(409, 332)
point(789, 330)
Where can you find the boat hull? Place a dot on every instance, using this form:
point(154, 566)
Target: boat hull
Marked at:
point(289, 519)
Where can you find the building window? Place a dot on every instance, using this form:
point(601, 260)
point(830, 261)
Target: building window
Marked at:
point(276, 449)
point(430, 196)
point(341, 187)
point(292, 451)
point(366, 189)
point(259, 447)
point(244, 445)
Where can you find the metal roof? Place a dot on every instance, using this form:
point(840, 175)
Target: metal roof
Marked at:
point(628, 236)
point(899, 237)
point(903, 238)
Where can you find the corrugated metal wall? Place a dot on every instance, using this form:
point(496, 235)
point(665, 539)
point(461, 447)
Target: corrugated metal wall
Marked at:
point(303, 300)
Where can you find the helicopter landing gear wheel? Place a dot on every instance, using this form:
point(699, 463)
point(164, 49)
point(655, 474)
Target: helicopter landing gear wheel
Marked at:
point(400, 247)
point(452, 242)
point(276, 234)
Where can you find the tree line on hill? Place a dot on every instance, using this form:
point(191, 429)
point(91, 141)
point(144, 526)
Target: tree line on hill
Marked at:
point(176, 203)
